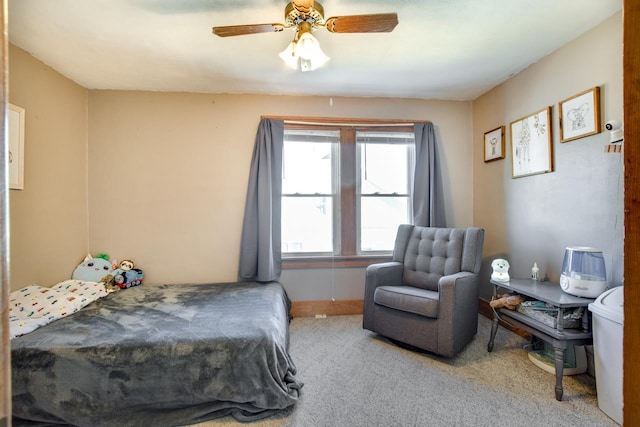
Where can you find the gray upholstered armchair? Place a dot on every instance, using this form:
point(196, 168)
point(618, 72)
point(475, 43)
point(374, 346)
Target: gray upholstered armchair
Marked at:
point(428, 295)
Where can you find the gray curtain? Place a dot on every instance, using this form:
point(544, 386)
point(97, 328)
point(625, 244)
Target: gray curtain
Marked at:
point(426, 203)
point(260, 247)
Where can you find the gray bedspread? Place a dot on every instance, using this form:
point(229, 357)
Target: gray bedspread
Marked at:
point(163, 355)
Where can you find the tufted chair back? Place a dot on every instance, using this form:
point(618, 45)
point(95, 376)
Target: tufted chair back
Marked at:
point(430, 253)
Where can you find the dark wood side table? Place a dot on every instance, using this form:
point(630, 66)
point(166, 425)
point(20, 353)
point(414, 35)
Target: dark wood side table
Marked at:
point(558, 337)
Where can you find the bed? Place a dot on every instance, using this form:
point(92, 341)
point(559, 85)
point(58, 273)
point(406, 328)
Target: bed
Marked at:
point(162, 355)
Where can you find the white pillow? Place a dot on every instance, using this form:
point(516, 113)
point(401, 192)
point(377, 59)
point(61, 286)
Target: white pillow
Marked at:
point(86, 291)
point(37, 301)
point(35, 306)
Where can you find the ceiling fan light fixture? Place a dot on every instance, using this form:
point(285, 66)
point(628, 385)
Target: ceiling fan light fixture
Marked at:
point(306, 51)
point(289, 55)
point(318, 59)
point(308, 47)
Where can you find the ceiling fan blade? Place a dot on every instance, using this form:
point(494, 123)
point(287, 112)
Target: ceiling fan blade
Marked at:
point(240, 30)
point(376, 23)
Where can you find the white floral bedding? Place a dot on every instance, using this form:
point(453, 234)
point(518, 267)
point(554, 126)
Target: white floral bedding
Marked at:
point(35, 306)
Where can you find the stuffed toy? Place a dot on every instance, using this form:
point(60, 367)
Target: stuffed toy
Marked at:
point(500, 270)
point(506, 300)
point(109, 283)
point(125, 276)
point(93, 269)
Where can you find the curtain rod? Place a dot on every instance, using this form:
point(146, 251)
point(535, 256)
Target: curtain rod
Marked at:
point(327, 121)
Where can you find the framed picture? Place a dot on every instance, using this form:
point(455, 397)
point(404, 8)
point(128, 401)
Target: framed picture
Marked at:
point(531, 144)
point(494, 144)
point(16, 147)
point(580, 115)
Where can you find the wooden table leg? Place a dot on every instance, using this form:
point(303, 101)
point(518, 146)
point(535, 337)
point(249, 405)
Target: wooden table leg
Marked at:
point(559, 359)
point(494, 330)
point(494, 325)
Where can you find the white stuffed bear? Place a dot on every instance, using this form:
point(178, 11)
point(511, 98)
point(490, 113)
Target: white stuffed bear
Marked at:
point(500, 270)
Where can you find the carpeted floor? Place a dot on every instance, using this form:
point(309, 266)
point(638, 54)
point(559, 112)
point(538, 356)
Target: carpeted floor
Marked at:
point(356, 378)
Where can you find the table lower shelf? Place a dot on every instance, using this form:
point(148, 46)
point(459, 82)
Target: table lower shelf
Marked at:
point(558, 339)
point(538, 328)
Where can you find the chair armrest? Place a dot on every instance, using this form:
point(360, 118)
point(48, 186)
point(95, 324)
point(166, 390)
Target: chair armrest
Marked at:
point(458, 305)
point(385, 273)
point(460, 289)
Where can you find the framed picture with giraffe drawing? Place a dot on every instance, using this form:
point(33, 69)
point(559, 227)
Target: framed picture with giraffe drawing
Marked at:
point(580, 115)
point(531, 144)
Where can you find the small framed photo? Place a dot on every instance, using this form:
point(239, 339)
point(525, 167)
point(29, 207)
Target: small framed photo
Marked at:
point(580, 115)
point(531, 144)
point(494, 144)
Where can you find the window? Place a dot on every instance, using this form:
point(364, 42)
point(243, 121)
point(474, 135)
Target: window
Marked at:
point(345, 189)
point(309, 192)
point(385, 162)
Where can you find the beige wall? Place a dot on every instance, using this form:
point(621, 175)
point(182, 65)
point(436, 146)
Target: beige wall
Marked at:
point(532, 219)
point(168, 175)
point(48, 219)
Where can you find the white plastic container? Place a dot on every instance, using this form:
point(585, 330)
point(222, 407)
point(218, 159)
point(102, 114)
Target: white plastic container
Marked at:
point(608, 317)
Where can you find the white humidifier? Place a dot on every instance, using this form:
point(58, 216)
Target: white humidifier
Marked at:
point(583, 272)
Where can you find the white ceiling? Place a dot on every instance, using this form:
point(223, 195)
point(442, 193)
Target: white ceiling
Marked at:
point(441, 49)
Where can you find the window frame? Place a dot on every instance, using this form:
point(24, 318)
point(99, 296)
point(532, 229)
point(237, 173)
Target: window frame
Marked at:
point(346, 248)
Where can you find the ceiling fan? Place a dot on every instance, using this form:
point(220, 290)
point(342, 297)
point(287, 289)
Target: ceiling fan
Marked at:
point(307, 16)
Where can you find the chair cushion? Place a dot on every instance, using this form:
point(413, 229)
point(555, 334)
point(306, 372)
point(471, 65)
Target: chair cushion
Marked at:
point(407, 298)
